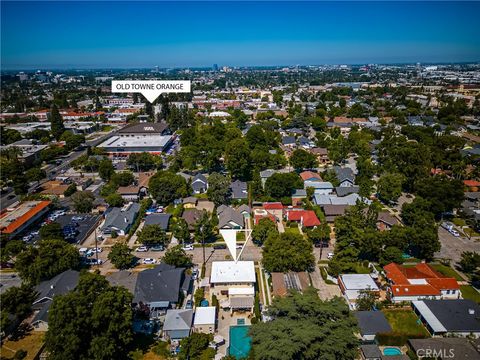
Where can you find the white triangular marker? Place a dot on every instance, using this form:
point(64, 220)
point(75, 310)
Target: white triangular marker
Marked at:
point(230, 237)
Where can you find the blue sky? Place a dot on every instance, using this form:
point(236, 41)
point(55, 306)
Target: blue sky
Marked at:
point(143, 34)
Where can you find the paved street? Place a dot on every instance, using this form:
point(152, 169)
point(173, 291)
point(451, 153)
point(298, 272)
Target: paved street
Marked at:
point(8, 280)
point(452, 247)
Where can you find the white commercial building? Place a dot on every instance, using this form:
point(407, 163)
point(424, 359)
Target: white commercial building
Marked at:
point(119, 146)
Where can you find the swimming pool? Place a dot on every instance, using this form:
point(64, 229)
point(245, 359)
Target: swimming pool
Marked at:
point(390, 351)
point(240, 342)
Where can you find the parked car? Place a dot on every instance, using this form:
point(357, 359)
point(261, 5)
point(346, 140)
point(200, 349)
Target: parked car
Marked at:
point(454, 232)
point(329, 255)
point(447, 225)
point(148, 261)
point(189, 304)
point(219, 246)
point(157, 248)
point(27, 238)
point(194, 274)
point(239, 246)
point(188, 247)
point(142, 249)
point(77, 218)
point(96, 250)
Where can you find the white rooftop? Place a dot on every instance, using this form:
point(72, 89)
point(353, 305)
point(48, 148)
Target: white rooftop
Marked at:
point(249, 290)
point(204, 315)
point(358, 282)
point(136, 141)
point(232, 272)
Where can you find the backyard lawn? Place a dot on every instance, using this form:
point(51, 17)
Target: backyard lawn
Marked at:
point(32, 343)
point(405, 322)
point(292, 230)
point(447, 271)
point(468, 292)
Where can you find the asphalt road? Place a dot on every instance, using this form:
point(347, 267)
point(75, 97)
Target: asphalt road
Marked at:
point(8, 280)
point(452, 247)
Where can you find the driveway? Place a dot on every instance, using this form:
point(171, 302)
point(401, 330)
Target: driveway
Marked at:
point(452, 247)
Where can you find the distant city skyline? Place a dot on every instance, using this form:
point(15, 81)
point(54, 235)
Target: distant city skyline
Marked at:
point(63, 35)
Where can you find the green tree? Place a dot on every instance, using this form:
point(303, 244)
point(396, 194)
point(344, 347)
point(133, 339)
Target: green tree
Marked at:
point(83, 201)
point(121, 256)
point(35, 174)
point(71, 189)
point(302, 159)
point(181, 231)
point(51, 231)
point(281, 185)
point(115, 200)
point(195, 347)
point(166, 187)
point(17, 303)
point(198, 296)
point(152, 235)
point(366, 300)
point(391, 254)
point(177, 257)
point(304, 327)
point(287, 252)
point(123, 178)
point(218, 189)
point(204, 229)
point(56, 122)
point(49, 258)
point(389, 187)
point(102, 331)
point(106, 169)
point(319, 234)
point(143, 161)
point(237, 159)
point(265, 228)
point(72, 141)
point(469, 262)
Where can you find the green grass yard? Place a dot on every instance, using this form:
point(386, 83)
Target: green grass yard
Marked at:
point(447, 271)
point(405, 322)
point(468, 292)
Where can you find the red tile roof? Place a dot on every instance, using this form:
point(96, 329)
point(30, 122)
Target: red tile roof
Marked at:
point(309, 175)
point(400, 277)
point(308, 217)
point(14, 225)
point(273, 206)
point(471, 183)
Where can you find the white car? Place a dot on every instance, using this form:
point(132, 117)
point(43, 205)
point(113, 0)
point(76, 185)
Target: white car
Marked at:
point(454, 232)
point(239, 246)
point(148, 261)
point(96, 250)
point(188, 247)
point(329, 256)
point(27, 238)
point(142, 249)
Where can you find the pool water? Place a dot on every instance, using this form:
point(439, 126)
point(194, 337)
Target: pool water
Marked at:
point(391, 351)
point(240, 342)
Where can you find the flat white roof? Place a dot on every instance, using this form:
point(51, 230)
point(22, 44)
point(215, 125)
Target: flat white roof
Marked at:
point(358, 282)
point(205, 315)
point(249, 290)
point(136, 141)
point(232, 272)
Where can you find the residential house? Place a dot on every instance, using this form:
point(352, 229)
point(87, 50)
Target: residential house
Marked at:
point(321, 155)
point(138, 190)
point(239, 190)
point(205, 319)
point(205, 205)
point(453, 348)
point(125, 278)
point(310, 176)
point(265, 174)
point(371, 323)
point(161, 220)
point(332, 211)
point(120, 220)
point(289, 141)
point(189, 202)
point(371, 352)
point(244, 210)
point(321, 187)
point(298, 196)
point(452, 318)
point(229, 218)
point(333, 199)
point(47, 290)
point(345, 176)
point(419, 282)
point(274, 208)
point(178, 323)
point(282, 283)
point(191, 216)
point(159, 288)
point(199, 184)
point(342, 191)
point(233, 283)
point(352, 284)
point(306, 218)
point(385, 221)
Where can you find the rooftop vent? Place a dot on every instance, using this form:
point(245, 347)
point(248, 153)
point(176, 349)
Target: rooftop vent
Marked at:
point(471, 312)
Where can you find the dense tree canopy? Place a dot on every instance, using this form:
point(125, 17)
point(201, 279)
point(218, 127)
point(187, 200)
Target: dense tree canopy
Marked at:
point(302, 159)
point(165, 187)
point(218, 189)
point(152, 235)
point(263, 230)
point(92, 322)
point(121, 256)
point(306, 328)
point(281, 185)
point(176, 256)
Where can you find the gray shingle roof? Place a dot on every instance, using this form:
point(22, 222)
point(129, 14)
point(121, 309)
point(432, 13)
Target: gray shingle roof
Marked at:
point(158, 219)
point(454, 314)
point(372, 322)
point(344, 173)
point(229, 215)
point(58, 285)
point(162, 283)
point(178, 319)
point(121, 220)
point(345, 190)
point(239, 189)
